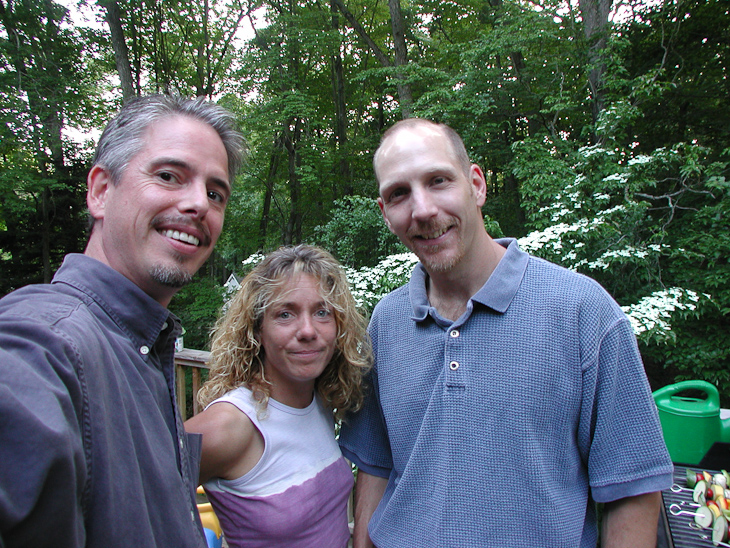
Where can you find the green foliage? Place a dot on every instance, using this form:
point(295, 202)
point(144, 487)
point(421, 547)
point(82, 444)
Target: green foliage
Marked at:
point(198, 305)
point(43, 87)
point(626, 183)
point(356, 233)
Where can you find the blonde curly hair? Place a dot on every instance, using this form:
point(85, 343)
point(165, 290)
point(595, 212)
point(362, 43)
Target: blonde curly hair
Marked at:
point(237, 357)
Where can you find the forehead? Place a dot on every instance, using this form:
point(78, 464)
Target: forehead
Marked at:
point(187, 141)
point(412, 136)
point(175, 130)
point(183, 133)
point(291, 285)
point(412, 149)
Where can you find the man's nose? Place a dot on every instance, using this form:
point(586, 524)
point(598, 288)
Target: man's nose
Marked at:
point(424, 205)
point(194, 199)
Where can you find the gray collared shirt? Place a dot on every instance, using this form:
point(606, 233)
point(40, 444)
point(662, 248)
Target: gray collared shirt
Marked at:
point(92, 448)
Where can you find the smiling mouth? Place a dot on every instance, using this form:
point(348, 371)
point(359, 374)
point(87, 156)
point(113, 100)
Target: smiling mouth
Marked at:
point(308, 355)
point(307, 352)
point(433, 234)
point(181, 236)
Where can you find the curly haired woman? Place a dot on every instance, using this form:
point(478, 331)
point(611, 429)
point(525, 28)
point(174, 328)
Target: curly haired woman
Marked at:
point(287, 357)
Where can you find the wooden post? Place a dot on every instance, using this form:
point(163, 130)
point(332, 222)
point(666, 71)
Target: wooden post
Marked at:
point(196, 360)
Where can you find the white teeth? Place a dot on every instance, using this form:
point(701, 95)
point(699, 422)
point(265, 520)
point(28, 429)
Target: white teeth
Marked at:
point(182, 236)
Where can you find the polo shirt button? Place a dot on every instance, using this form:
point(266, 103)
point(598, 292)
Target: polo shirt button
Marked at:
point(454, 366)
point(144, 350)
point(454, 333)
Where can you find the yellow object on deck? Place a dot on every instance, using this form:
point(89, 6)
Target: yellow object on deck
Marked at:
point(208, 517)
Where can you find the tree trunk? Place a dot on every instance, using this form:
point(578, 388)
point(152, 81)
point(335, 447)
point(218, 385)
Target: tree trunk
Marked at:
point(595, 23)
point(202, 69)
point(293, 233)
point(338, 89)
point(405, 95)
point(363, 34)
point(119, 45)
point(401, 58)
point(269, 192)
point(46, 110)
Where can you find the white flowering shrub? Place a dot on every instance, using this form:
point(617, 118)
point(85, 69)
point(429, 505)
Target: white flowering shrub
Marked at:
point(653, 228)
point(596, 226)
point(651, 317)
point(370, 284)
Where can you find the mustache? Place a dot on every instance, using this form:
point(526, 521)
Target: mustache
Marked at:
point(183, 221)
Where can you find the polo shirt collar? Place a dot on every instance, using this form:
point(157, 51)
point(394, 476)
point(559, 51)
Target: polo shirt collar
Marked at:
point(498, 291)
point(135, 312)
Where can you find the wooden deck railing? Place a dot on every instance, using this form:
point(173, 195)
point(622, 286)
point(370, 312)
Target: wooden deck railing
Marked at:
point(196, 361)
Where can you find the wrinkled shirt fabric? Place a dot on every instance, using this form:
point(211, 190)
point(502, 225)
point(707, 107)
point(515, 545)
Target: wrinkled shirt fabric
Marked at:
point(92, 447)
point(504, 427)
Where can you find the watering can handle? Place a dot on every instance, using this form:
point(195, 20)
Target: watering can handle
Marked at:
point(713, 396)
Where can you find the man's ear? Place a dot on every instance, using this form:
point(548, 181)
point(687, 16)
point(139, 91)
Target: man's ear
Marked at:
point(479, 184)
point(385, 218)
point(98, 183)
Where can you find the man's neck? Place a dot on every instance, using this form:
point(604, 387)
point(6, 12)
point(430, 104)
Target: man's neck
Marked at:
point(449, 292)
point(158, 292)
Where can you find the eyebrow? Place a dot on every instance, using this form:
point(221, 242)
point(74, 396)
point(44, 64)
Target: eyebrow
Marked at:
point(295, 304)
point(432, 171)
point(445, 169)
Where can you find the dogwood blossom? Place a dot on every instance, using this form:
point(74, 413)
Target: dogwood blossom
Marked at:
point(652, 313)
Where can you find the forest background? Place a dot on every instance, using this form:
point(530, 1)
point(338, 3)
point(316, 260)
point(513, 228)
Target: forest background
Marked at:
point(603, 129)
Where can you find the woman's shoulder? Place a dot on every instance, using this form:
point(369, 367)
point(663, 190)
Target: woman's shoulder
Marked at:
point(231, 441)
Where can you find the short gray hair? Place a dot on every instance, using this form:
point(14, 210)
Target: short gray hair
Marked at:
point(123, 137)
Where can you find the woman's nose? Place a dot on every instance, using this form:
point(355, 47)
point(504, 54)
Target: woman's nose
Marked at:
point(306, 329)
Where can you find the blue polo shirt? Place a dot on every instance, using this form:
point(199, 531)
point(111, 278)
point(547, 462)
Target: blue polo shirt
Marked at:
point(92, 448)
point(503, 427)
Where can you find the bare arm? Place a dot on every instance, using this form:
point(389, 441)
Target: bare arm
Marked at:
point(368, 492)
point(231, 443)
point(631, 522)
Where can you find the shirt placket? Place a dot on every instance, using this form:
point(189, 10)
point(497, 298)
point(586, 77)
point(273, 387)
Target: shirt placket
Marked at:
point(165, 354)
point(454, 360)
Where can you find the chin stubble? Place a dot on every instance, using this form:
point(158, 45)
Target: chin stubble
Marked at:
point(171, 276)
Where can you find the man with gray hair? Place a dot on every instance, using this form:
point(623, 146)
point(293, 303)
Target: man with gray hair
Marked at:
point(92, 448)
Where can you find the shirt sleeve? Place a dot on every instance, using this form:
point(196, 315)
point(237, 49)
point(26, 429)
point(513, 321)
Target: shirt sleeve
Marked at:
point(620, 428)
point(364, 436)
point(42, 470)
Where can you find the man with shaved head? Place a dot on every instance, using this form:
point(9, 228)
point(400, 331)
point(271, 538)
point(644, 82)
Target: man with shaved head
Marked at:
point(508, 395)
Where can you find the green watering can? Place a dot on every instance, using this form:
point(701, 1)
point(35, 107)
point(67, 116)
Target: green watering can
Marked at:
point(690, 425)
